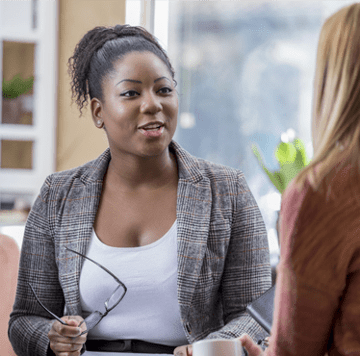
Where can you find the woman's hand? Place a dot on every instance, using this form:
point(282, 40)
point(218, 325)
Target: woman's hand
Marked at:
point(251, 347)
point(185, 350)
point(65, 339)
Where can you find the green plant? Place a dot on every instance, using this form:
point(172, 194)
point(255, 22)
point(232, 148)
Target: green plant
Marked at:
point(292, 158)
point(16, 86)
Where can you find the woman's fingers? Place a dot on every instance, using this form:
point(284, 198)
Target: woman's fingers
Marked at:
point(65, 340)
point(66, 330)
point(267, 341)
point(76, 342)
point(75, 353)
point(72, 328)
point(250, 346)
point(65, 347)
point(185, 350)
point(79, 322)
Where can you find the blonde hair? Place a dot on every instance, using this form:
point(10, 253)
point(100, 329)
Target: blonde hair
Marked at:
point(336, 104)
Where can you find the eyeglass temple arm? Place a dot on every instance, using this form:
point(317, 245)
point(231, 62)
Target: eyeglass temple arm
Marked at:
point(106, 270)
point(44, 307)
point(99, 265)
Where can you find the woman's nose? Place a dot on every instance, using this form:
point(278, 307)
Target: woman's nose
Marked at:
point(151, 104)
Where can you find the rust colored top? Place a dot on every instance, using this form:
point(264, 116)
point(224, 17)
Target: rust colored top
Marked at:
point(317, 300)
point(9, 266)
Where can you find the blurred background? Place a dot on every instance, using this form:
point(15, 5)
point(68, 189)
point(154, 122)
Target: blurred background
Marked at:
point(244, 71)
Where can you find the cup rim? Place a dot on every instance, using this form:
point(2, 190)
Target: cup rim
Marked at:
point(221, 340)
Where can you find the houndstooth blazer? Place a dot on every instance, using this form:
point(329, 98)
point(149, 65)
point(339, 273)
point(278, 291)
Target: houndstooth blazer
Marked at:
point(223, 257)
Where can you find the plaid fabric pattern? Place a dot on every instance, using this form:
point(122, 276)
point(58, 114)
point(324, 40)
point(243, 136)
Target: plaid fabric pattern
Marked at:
point(223, 257)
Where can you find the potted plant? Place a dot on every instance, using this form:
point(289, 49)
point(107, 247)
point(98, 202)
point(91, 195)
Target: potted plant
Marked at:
point(16, 106)
point(16, 86)
point(292, 158)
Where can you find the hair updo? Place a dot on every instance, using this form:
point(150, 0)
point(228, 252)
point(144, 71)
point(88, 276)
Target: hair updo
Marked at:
point(96, 53)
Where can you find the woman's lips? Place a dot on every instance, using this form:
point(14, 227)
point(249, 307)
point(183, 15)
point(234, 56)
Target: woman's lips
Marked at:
point(152, 130)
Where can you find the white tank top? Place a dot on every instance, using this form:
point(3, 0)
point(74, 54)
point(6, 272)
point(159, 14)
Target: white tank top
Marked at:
point(150, 309)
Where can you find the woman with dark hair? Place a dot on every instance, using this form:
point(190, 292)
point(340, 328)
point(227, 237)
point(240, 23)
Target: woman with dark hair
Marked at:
point(147, 248)
point(317, 298)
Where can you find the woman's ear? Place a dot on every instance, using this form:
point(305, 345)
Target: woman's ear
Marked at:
point(96, 112)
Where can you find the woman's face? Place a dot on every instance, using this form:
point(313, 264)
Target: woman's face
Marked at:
point(139, 107)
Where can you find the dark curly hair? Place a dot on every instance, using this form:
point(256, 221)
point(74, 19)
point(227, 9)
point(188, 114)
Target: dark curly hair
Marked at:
point(96, 53)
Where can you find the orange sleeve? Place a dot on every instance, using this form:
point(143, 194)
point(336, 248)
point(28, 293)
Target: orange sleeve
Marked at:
point(312, 272)
point(9, 261)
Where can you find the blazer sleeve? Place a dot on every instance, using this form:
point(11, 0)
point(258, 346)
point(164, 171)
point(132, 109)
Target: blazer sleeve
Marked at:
point(247, 272)
point(29, 323)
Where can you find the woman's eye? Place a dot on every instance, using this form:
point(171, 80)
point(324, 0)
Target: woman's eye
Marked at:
point(129, 93)
point(165, 90)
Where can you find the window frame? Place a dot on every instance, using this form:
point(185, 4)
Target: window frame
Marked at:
point(25, 183)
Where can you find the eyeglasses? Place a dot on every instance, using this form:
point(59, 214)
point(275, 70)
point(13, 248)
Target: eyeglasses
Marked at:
point(95, 317)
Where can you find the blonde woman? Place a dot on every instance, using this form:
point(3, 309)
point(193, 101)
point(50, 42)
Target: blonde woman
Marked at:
point(317, 300)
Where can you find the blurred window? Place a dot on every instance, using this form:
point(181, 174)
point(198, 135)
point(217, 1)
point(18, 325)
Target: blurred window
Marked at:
point(17, 83)
point(245, 72)
point(16, 154)
point(28, 39)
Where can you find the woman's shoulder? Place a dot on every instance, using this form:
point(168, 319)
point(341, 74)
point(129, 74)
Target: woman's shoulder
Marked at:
point(91, 171)
point(331, 208)
point(202, 168)
point(58, 185)
point(319, 228)
point(219, 171)
point(341, 183)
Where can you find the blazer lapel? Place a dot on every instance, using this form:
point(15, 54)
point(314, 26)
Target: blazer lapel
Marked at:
point(82, 234)
point(81, 204)
point(193, 219)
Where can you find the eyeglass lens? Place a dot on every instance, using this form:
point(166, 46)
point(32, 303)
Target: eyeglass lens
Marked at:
point(115, 298)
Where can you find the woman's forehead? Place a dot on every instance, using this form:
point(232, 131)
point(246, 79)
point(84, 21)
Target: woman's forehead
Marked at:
point(141, 63)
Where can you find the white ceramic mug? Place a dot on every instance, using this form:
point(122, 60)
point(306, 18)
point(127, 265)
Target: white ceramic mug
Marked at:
point(217, 347)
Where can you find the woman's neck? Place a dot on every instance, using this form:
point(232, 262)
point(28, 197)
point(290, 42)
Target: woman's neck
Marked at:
point(142, 172)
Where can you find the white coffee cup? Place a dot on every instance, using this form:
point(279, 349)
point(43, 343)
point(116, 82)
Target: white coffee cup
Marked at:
point(217, 347)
